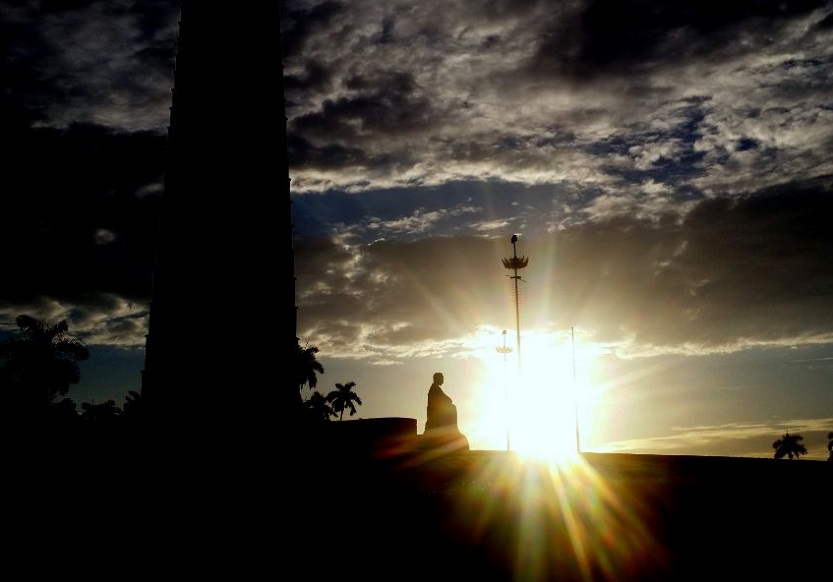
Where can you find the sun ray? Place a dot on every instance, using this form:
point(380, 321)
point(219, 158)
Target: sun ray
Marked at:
point(534, 409)
point(557, 520)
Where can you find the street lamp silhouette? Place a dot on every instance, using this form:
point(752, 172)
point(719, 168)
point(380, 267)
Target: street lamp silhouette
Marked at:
point(506, 350)
point(516, 263)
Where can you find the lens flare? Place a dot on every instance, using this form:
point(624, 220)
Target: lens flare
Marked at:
point(555, 521)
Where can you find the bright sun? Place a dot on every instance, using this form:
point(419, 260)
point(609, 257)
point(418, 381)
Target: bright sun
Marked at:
point(537, 409)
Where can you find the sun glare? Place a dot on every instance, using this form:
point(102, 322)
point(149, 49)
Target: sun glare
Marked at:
point(534, 402)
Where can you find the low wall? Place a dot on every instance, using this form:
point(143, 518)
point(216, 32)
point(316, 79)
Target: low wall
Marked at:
point(388, 435)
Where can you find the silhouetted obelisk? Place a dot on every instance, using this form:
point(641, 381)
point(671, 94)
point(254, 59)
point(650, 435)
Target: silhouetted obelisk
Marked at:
point(213, 360)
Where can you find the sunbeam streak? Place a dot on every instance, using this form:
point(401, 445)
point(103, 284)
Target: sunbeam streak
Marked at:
point(560, 520)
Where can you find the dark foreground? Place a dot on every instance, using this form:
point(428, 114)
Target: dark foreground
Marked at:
point(334, 510)
point(489, 515)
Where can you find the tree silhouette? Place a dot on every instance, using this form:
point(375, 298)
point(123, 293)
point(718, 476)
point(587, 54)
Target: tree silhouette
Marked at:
point(830, 446)
point(132, 407)
point(104, 414)
point(305, 368)
point(344, 397)
point(41, 365)
point(62, 415)
point(789, 446)
point(318, 408)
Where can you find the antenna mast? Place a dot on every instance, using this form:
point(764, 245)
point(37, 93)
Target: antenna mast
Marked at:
point(516, 263)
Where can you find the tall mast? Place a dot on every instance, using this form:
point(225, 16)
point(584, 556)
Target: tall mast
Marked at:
point(516, 263)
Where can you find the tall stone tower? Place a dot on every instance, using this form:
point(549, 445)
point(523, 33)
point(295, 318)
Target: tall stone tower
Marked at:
point(214, 350)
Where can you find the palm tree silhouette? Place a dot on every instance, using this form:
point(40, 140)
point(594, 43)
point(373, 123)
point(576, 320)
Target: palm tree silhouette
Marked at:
point(789, 446)
point(41, 364)
point(306, 368)
point(318, 408)
point(344, 397)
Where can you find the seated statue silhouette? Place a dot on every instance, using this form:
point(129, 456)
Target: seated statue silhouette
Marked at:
point(441, 430)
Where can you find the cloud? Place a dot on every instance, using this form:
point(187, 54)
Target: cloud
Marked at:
point(81, 207)
point(683, 94)
point(723, 275)
point(108, 64)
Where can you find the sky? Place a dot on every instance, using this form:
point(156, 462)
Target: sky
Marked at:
point(665, 166)
point(85, 96)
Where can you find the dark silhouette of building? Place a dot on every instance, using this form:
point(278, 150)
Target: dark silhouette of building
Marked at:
point(212, 355)
point(212, 372)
